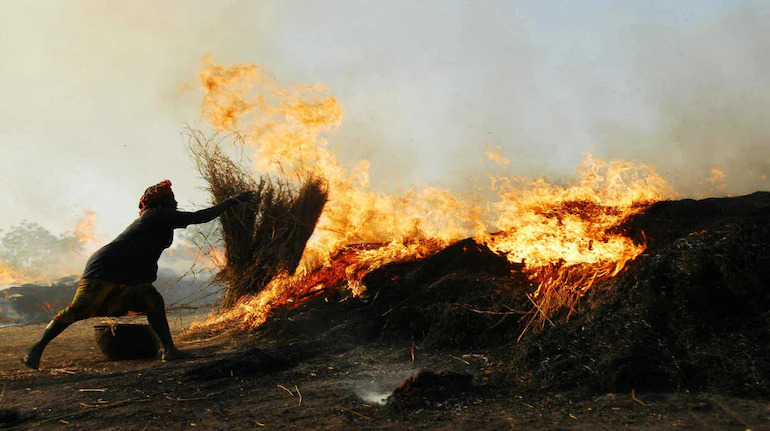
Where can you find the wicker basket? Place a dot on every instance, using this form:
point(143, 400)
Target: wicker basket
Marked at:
point(127, 341)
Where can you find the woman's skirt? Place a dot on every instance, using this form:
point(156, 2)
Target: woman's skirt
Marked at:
point(99, 298)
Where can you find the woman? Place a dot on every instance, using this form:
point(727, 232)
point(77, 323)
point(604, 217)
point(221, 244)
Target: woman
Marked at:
point(118, 277)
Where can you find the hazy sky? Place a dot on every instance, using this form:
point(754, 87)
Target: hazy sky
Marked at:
point(91, 106)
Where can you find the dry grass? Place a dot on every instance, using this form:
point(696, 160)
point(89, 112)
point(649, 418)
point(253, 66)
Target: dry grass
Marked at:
point(265, 236)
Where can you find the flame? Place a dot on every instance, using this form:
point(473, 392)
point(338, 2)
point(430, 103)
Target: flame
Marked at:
point(287, 133)
point(566, 235)
point(50, 307)
point(10, 274)
point(346, 269)
point(495, 156)
point(85, 231)
point(716, 180)
point(716, 175)
point(224, 101)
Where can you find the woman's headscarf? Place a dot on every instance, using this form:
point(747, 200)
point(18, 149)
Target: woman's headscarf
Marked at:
point(156, 196)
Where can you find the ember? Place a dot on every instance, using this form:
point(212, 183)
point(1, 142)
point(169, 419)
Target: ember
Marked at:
point(50, 308)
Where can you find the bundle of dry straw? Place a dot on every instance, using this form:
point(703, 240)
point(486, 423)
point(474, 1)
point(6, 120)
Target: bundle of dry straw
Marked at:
point(265, 236)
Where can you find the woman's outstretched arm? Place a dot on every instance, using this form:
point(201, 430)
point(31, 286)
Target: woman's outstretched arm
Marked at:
point(182, 219)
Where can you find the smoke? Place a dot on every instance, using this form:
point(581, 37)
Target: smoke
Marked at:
point(706, 91)
point(377, 390)
point(680, 87)
point(425, 87)
point(372, 396)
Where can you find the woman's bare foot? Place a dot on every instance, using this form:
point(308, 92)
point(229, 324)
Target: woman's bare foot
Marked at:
point(32, 360)
point(175, 354)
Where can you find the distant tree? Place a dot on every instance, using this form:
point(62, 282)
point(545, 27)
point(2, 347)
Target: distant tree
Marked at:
point(30, 247)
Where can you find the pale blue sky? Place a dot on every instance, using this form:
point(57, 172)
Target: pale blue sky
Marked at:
point(91, 113)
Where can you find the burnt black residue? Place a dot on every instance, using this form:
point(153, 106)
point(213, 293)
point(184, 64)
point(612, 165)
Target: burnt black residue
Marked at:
point(433, 390)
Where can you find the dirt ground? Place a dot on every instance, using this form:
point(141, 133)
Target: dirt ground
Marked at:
point(239, 382)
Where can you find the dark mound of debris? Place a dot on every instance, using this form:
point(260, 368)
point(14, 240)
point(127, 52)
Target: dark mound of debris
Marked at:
point(433, 390)
point(692, 313)
point(464, 296)
point(666, 221)
point(36, 303)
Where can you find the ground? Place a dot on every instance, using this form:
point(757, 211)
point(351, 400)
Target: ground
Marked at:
point(248, 382)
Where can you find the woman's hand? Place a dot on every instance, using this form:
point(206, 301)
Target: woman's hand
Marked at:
point(244, 197)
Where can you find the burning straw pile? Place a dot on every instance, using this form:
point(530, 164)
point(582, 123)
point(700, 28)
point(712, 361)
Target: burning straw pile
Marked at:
point(266, 235)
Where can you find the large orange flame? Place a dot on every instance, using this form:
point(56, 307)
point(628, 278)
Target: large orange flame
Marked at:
point(566, 236)
point(563, 234)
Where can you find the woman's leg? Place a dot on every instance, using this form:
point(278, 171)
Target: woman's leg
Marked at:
point(54, 328)
point(159, 324)
point(86, 295)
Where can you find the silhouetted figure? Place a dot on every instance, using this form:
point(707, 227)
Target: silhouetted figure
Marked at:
point(118, 277)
